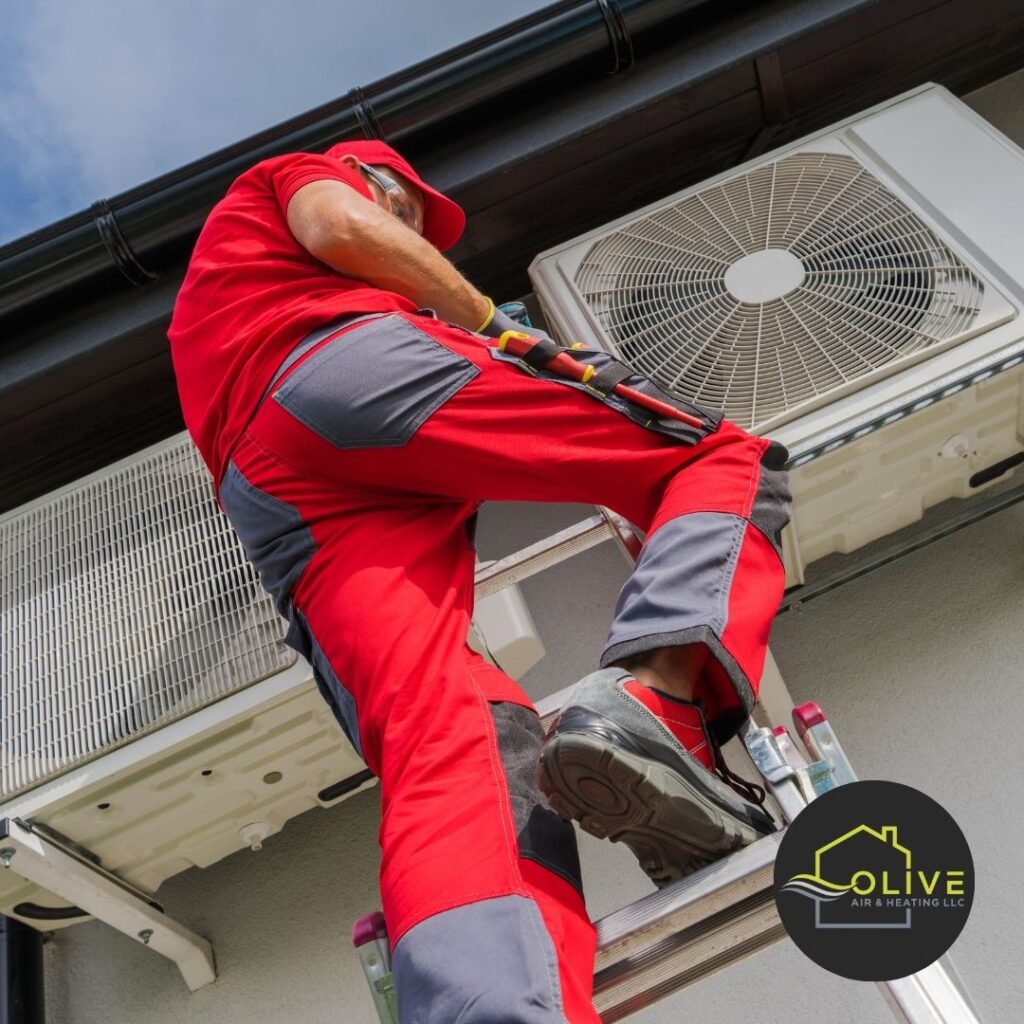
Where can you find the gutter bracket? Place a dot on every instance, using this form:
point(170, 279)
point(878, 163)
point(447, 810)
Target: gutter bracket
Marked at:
point(618, 35)
point(117, 245)
point(365, 115)
point(771, 89)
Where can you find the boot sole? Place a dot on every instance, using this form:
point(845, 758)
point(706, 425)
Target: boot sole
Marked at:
point(614, 794)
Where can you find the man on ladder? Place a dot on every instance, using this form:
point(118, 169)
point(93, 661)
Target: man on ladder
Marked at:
point(341, 380)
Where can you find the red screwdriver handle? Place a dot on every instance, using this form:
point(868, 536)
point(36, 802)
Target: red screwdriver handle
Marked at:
point(518, 344)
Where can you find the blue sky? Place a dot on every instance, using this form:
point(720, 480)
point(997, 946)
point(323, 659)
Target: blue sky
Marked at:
point(99, 96)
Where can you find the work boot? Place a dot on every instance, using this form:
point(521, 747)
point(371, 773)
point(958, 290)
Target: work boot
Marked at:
point(654, 781)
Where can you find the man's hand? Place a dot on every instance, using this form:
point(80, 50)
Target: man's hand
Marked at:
point(357, 238)
point(502, 321)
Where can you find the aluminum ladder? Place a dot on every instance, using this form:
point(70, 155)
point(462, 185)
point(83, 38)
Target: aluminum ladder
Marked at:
point(723, 913)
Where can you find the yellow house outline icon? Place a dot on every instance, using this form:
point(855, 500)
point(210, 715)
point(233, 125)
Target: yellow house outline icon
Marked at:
point(887, 835)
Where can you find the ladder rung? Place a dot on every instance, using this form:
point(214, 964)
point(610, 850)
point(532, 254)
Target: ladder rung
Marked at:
point(686, 931)
point(533, 559)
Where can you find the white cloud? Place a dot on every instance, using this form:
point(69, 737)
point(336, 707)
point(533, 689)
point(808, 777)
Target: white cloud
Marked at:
point(108, 94)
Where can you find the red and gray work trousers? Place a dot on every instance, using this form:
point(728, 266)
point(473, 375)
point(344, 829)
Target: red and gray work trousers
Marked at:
point(354, 492)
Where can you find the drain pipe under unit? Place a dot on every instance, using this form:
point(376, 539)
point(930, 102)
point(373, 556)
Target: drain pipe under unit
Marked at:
point(21, 973)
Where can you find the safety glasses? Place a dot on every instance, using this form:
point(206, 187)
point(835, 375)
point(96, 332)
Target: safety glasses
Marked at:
point(398, 199)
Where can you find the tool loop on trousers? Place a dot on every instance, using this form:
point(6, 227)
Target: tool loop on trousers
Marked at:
point(605, 379)
point(541, 353)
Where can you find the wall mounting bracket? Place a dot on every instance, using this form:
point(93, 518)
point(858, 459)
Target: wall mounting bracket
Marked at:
point(79, 881)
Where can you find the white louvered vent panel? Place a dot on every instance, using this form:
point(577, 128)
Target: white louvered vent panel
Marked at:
point(127, 602)
point(779, 289)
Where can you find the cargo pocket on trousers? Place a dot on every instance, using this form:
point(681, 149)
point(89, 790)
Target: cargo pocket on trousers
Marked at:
point(375, 385)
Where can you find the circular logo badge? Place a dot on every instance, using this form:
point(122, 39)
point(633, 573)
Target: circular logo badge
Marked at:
point(874, 881)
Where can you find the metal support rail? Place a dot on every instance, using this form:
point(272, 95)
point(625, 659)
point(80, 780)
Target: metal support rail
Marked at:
point(798, 596)
point(38, 859)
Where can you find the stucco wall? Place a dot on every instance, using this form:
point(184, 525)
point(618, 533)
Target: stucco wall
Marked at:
point(918, 664)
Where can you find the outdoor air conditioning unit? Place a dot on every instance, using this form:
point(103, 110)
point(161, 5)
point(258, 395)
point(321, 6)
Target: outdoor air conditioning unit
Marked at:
point(151, 718)
point(855, 295)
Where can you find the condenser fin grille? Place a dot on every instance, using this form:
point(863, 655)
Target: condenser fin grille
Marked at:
point(127, 602)
point(777, 289)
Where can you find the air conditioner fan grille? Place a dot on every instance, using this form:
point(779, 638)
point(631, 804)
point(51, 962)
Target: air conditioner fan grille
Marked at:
point(764, 293)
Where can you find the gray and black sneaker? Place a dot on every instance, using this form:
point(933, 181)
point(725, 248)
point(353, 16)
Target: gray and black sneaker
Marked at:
point(611, 764)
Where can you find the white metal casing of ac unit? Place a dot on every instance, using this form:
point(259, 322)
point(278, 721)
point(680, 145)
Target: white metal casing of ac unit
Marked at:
point(151, 717)
point(880, 445)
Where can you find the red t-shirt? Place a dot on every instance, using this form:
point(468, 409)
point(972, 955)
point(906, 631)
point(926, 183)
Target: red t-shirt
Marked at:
point(250, 294)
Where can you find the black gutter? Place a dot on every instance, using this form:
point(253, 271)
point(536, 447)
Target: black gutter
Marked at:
point(136, 231)
point(21, 973)
point(86, 378)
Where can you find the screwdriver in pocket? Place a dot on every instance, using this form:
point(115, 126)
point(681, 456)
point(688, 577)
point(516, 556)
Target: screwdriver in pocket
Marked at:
point(518, 344)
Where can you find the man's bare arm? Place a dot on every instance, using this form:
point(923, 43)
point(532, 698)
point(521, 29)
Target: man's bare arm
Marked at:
point(357, 238)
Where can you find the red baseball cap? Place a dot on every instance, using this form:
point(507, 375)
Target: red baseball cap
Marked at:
point(443, 219)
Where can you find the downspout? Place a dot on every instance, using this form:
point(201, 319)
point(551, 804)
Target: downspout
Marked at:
point(134, 231)
point(21, 973)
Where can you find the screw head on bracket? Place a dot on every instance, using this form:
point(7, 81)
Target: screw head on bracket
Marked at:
point(957, 447)
point(146, 934)
point(7, 855)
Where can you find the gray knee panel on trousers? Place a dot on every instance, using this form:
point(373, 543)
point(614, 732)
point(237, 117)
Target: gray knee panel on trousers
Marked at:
point(488, 962)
